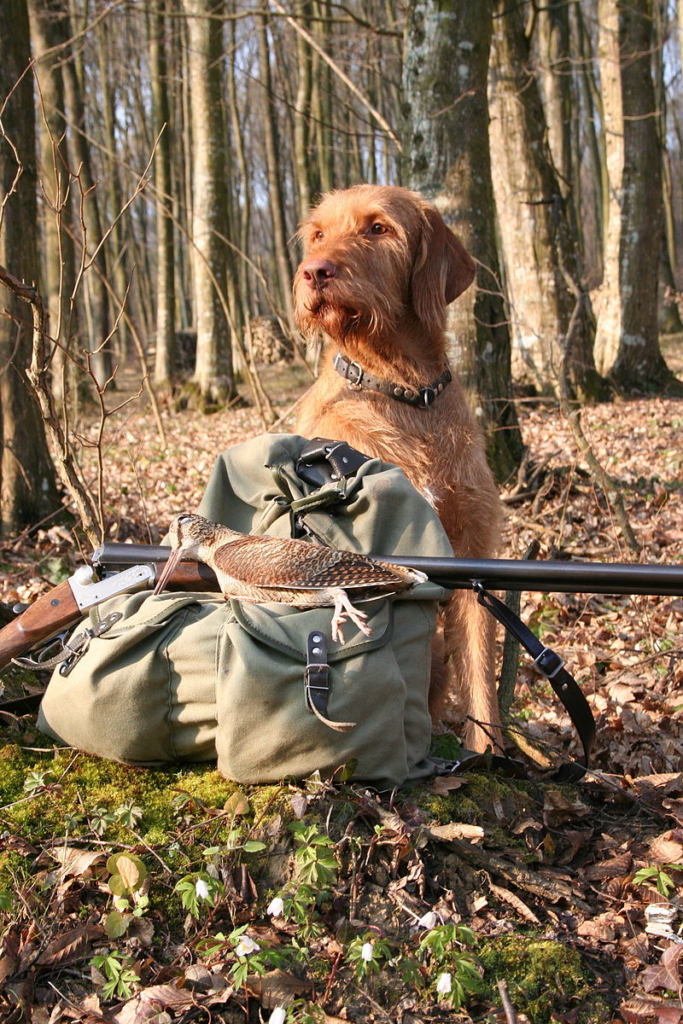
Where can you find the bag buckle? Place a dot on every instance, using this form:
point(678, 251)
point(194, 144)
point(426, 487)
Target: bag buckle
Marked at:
point(317, 681)
point(79, 644)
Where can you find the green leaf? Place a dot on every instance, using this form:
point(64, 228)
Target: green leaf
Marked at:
point(116, 924)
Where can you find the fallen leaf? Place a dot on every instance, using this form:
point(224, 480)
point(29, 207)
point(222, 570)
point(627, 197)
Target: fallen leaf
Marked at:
point(276, 988)
point(665, 974)
point(69, 946)
point(74, 861)
point(514, 901)
point(614, 867)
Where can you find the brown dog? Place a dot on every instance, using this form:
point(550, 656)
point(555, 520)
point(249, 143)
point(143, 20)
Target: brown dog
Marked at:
point(380, 268)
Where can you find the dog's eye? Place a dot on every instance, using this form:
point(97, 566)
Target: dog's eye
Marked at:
point(379, 229)
point(317, 235)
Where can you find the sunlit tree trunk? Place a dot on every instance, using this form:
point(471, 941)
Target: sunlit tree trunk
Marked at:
point(28, 491)
point(213, 368)
point(302, 111)
point(274, 171)
point(56, 213)
point(543, 270)
point(164, 366)
point(627, 342)
point(88, 218)
point(447, 158)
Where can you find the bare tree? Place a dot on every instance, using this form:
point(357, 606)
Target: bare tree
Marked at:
point(213, 368)
point(627, 342)
point(543, 270)
point(447, 157)
point(28, 489)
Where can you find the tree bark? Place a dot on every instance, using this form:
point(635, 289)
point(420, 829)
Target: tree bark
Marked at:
point(447, 158)
point(543, 270)
point(164, 364)
point(28, 490)
point(56, 214)
point(627, 343)
point(273, 168)
point(213, 368)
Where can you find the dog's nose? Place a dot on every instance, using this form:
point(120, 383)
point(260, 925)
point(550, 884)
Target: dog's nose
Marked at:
point(317, 273)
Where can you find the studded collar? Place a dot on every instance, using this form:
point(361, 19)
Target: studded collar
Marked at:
point(359, 379)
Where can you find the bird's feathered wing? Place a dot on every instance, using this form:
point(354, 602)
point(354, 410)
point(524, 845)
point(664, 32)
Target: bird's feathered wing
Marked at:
point(273, 563)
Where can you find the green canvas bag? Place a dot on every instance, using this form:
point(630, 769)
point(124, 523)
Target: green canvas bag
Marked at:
point(191, 677)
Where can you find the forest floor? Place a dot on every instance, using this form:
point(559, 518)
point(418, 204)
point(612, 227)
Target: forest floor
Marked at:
point(138, 895)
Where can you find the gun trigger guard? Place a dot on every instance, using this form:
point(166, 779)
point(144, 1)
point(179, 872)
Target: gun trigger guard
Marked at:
point(76, 647)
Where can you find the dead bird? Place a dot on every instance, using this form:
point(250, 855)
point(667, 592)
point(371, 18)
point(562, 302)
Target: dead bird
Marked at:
point(263, 569)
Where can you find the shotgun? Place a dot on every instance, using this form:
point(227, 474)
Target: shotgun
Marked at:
point(123, 568)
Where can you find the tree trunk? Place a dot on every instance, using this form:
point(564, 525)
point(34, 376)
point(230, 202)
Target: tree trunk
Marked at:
point(213, 368)
point(627, 340)
point(543, 272)
point(59, 258)
point(302, 111)
point(164, 364)
point(90, 221)
point(274, 171)
point(447, 158)
point(28, 490)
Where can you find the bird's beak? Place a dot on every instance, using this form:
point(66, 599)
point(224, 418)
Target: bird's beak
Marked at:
point(168, 570)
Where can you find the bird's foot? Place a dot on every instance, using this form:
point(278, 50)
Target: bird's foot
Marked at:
point(343, 610)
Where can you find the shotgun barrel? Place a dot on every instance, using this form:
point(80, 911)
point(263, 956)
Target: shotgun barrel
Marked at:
point(494, 573)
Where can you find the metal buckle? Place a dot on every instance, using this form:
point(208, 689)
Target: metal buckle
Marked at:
point(354, 385)
point(427, 396)
point(549, 662)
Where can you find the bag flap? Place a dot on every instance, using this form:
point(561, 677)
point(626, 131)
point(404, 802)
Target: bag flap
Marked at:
point(144, 609)
point(286, 629)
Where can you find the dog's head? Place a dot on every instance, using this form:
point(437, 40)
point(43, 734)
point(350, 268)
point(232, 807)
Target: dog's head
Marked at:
point(379, 261)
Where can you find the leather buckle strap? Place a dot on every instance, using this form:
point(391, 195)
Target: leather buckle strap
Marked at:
point(317, 683)
point(551, 665)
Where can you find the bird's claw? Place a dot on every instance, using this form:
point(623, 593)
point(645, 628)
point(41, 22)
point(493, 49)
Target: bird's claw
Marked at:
point(344, 610)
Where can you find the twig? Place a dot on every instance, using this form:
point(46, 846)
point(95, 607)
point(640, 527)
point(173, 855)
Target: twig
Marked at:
point(508, 1008)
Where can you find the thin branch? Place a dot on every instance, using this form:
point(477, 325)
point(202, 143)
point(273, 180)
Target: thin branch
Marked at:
point(360, 96)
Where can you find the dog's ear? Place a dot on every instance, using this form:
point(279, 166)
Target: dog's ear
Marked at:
point(442, 271)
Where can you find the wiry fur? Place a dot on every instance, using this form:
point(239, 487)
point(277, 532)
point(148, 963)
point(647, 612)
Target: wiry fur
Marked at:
point(380, 297)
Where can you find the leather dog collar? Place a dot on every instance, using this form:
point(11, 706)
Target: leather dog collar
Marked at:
point(358, 379)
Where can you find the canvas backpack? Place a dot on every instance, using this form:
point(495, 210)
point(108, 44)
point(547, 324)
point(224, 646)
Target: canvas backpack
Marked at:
point(263, 688)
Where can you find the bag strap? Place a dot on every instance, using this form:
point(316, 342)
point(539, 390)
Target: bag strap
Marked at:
point(550, 664)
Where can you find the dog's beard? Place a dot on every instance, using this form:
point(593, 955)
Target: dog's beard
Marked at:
point(343, 323)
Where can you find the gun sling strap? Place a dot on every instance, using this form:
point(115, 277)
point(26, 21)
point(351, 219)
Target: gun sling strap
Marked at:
point(323, 462)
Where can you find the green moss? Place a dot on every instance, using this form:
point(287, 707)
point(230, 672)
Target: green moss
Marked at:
point(479, 800)
point(542, 976)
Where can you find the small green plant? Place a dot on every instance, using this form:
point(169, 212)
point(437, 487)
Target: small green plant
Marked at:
point(5, 900)
point(198, 887)
point(316, 864)
point(454, 972)
point(119, 974)
point(101, 819)
point(38, 782)
point(368, 954)
point(657, 873)
point(251, 957)
point(128, 875)
point(129, 814)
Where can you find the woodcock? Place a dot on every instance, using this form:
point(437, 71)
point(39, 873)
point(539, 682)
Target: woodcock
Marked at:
point(262, 569)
